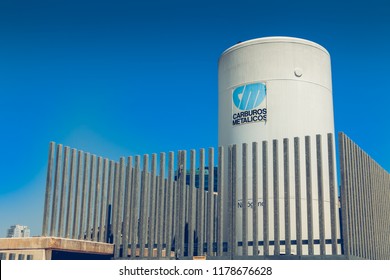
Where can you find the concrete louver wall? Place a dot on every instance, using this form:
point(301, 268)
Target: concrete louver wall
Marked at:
point(162, 200)
point(365, 196)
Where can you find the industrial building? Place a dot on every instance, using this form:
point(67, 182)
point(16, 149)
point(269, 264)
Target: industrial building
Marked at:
point(269, 191)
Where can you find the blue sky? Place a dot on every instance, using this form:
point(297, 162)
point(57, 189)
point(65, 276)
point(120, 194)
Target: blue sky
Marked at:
point(119, 78)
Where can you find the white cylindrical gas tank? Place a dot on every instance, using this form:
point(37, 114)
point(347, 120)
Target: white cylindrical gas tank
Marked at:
point(292, 80)
point(275, 88)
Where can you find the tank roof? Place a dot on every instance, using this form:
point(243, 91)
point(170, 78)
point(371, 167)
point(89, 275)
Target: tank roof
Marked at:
point(275, 39)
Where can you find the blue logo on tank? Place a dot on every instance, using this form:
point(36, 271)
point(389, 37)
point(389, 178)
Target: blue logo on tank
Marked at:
point(249, 96)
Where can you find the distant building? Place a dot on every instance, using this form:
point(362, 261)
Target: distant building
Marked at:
point(197, 178)
point(18, 231)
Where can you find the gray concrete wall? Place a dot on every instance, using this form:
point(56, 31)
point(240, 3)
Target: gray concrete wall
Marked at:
point(365, 197)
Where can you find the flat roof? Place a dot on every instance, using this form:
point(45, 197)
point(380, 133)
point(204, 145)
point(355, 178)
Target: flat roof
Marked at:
point(56, 243)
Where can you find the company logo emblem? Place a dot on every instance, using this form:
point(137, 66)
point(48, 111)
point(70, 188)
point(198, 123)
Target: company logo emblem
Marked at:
point(248, 97)
point(248, 104)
